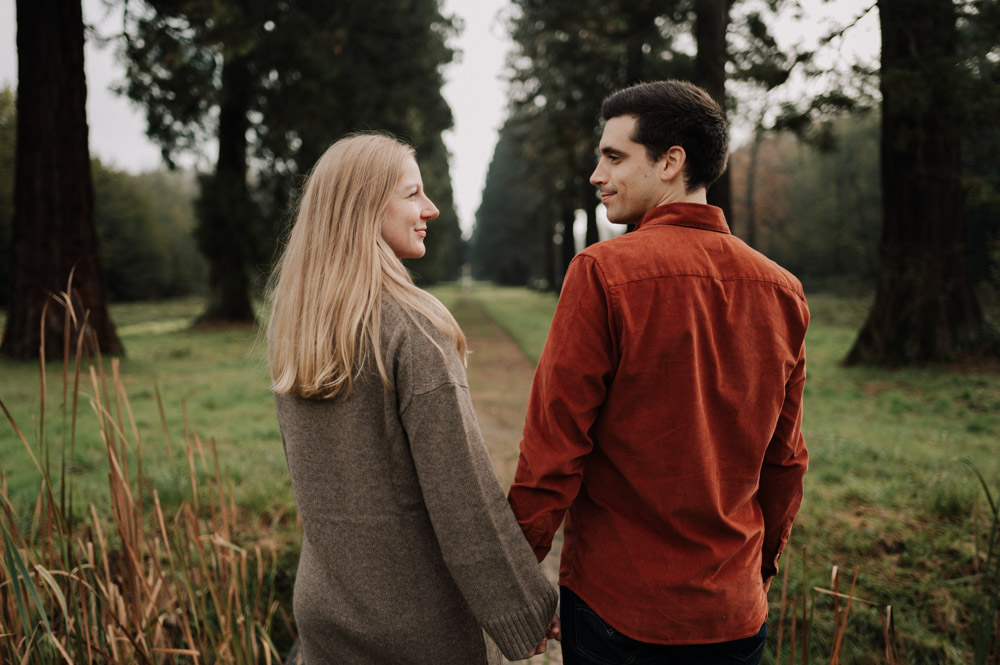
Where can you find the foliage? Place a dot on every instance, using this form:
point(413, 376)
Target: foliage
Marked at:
point(144, 224)
point(569, 57)
point(277, 84)
point(509, 243)
point(819, 210)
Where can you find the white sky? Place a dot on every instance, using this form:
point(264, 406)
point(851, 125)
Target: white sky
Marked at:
point(475, 87)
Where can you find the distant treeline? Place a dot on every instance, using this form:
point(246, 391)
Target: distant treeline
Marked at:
point(145, 225)
point(815, 209)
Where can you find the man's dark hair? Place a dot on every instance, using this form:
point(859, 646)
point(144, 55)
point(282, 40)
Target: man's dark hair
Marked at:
point(670, 113)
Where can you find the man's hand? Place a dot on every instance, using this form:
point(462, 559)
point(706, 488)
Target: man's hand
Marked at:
point(555, 629)
point(554, 632)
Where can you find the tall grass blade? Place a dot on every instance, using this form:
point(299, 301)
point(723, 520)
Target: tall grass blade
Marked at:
point(163, 419)
point(17, 570)
point(889, 635)
point(843, 627)
point(781, 617)
point(982, 481)
point(56, 591)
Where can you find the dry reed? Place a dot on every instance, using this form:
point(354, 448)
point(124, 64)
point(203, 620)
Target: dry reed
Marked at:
point(138, 586)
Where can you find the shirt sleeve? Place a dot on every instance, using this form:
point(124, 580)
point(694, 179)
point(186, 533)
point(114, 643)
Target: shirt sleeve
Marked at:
point(482, 546)
point(570, 385)
point(785, 464)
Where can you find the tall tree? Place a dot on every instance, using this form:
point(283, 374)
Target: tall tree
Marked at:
point(191, 64)
point(8, 125)
point(571, 55)
point(276, 83)
point(925, 308)
point(53, 225)
point(512, 240)
point(711, 24)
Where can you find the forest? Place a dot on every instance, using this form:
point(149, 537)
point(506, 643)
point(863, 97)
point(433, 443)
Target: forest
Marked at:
point(167, 530)
point(882, 175)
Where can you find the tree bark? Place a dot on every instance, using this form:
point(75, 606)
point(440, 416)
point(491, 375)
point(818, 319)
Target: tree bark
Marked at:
point(925, 307)
point(750, 232)
point(711, 24)
point(53, 226)
point(227, 217)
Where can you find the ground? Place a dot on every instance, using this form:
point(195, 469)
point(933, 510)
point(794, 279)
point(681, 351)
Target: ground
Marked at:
point(500, 379)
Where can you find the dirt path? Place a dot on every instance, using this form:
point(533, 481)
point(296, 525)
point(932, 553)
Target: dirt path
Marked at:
point(499, 379)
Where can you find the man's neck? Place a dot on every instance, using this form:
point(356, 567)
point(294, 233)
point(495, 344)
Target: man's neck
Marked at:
point(699, 195)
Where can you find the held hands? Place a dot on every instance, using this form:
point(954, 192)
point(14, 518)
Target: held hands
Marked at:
point(554, 632)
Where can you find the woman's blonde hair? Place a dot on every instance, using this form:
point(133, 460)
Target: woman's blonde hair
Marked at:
point(327, 289)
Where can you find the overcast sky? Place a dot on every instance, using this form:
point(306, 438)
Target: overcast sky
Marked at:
point(475, 87)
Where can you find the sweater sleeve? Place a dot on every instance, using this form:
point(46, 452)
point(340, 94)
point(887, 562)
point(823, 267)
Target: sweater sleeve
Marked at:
point(785, 464)
point(482, 545)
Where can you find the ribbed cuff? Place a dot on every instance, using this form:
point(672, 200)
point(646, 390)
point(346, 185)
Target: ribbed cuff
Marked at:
point(517, 634)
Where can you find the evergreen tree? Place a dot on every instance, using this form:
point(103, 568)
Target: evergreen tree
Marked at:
point(8, 127)
point(54, 237)
point(276, 84)
point(511, 243)
point(925, 306)
point(571, 55)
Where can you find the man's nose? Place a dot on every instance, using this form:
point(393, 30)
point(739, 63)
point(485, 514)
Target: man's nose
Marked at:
point(597, 177)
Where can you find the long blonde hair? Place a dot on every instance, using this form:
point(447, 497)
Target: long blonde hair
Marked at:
point(327, 289)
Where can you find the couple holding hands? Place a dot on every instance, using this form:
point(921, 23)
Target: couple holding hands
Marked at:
point(663, 426)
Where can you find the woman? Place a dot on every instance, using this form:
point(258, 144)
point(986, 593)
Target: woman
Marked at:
point(410, 550)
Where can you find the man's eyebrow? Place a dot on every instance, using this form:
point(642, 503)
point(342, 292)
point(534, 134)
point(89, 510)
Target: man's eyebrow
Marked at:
point(610, 150)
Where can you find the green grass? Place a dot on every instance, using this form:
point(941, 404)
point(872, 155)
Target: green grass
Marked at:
point(522, 314)
point(883, 494)
point(216, 375)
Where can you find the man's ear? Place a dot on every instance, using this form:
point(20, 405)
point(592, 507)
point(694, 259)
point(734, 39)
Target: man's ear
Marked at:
point(673, 163)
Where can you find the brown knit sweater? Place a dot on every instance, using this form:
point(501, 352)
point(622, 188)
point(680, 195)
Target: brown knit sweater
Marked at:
point(410, 550)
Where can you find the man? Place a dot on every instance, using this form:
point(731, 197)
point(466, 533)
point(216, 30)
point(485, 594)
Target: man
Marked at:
point(665, 414)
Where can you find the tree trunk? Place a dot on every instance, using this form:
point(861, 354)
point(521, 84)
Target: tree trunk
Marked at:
point(925, 308)
point(711, 24)
point(750, 232)
point(227, 217)
point(53, 226)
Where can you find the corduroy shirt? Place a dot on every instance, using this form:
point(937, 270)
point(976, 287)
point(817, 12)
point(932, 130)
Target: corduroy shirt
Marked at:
point(665, 423)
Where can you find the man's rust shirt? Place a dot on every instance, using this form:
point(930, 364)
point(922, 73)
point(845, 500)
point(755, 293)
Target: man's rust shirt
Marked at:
point(665, 416)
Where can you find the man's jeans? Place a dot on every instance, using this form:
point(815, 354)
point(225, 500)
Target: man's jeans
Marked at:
point(588, 640)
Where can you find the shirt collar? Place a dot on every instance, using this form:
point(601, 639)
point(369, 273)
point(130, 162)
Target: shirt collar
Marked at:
point(692, 215)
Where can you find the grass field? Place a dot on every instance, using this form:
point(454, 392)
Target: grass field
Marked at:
point(884, 495)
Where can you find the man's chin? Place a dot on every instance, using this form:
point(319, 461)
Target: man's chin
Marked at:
point(622, 219)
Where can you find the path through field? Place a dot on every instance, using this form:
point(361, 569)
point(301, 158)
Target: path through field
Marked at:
point(500, 378)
